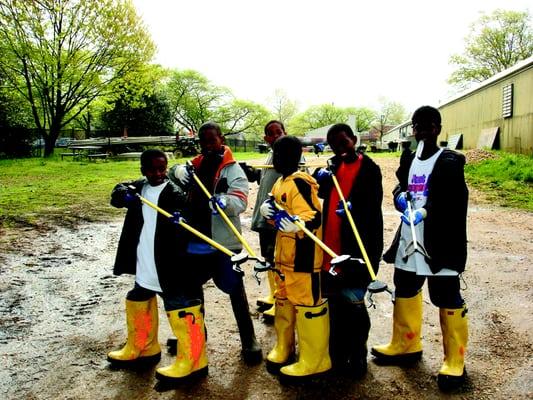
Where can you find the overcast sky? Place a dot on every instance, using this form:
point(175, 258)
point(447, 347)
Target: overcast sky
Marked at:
point(344, 52)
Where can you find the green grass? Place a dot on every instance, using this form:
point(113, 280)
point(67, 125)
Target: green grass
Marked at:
point(507, 180)
point(38, 191)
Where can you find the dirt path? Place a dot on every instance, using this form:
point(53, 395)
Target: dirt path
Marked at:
point(61, 310)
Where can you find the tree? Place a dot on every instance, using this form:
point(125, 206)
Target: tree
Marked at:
point(495, 43)
point(152, 116)
point(195, 100)
point(62, 54)
point(138, 105)
point(316, 117)
point(15, 121)
point(363, 117)
point(391, 113)
point(244, 117)
point(282, 107)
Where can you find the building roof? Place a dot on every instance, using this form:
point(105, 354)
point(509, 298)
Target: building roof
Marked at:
point(518, 67)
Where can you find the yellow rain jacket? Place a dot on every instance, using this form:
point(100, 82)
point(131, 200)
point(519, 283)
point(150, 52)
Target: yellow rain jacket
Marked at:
point(298, 195)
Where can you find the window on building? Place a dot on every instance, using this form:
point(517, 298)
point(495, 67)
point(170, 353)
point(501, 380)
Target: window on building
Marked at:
point(507, 101)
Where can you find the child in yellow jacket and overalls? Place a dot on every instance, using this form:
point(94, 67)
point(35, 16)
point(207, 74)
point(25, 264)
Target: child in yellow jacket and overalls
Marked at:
point(298, 260)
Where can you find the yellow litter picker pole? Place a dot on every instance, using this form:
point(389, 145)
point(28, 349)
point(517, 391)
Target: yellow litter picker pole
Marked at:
point(354, 228)
point(375, 286)
point(223, 215)
point(216, 245)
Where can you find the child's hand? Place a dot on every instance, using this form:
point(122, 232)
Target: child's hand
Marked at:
point(418, 216)
point(323, 175)
point(400, 202)
point(340, 208)
point(252, 174)
point(217, 200)
point(267, 209)
point(285, 222)
point(177, 218)
point(183, 174)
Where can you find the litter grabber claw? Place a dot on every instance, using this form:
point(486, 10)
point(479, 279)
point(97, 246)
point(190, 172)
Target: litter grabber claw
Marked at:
point(251, 254)
point(236, 259)
point(375, 286)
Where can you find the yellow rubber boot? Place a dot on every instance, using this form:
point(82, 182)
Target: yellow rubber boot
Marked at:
point(142, 346)
point(191, 360)
point(312, 325)
point(284, 324)
point(268, 301)
point(454, 326)
point(405, 345)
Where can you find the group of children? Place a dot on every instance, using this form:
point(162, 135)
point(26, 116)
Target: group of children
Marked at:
point(326, 312)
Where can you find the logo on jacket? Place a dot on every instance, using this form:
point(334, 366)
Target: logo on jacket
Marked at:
point(284, 198)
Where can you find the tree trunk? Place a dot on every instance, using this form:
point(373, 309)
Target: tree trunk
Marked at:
point(50, 140)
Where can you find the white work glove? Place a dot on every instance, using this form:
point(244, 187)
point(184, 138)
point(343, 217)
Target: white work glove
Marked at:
point(285, 222)
point(183, 174)
point(288, 226)
point(267, 209)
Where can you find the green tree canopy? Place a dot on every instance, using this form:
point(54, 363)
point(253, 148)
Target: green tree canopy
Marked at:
point(316, 117)
point(195, 100)
point(62, 54)
point(495, 43)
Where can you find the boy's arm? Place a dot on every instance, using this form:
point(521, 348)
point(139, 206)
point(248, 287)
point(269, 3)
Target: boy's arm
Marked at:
point(122, 195)
point(236, 195)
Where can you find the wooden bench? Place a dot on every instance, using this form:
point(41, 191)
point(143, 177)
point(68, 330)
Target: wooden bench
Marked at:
point(94, 157)
point(73, 155)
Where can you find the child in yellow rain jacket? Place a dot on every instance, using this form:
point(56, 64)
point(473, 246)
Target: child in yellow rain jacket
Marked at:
point(298, 260)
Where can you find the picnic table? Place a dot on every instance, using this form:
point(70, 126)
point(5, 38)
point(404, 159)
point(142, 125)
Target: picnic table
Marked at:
point(90, 152)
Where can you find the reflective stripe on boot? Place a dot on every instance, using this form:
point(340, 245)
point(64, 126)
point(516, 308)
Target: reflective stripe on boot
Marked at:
point(191, 360)
point(142, 320)
point(454, 326)
point(405, 344)
point(284, 324)
point(312, 324)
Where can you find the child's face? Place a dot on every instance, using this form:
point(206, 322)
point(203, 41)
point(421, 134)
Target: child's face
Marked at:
point(211, 141)
point(425, 130)
point(156, 172)
point(274, 131)
point(342, 144)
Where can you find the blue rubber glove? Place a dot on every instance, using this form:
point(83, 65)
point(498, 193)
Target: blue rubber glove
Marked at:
point(418, 216)
point(177, 218)
point(219, 200)
point(130, 197)
point(400, 202)
point(340, 208)
point(323, 175)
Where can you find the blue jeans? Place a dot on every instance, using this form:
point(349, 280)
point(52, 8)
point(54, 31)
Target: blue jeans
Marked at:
point(216, 266)
point(171, 301)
